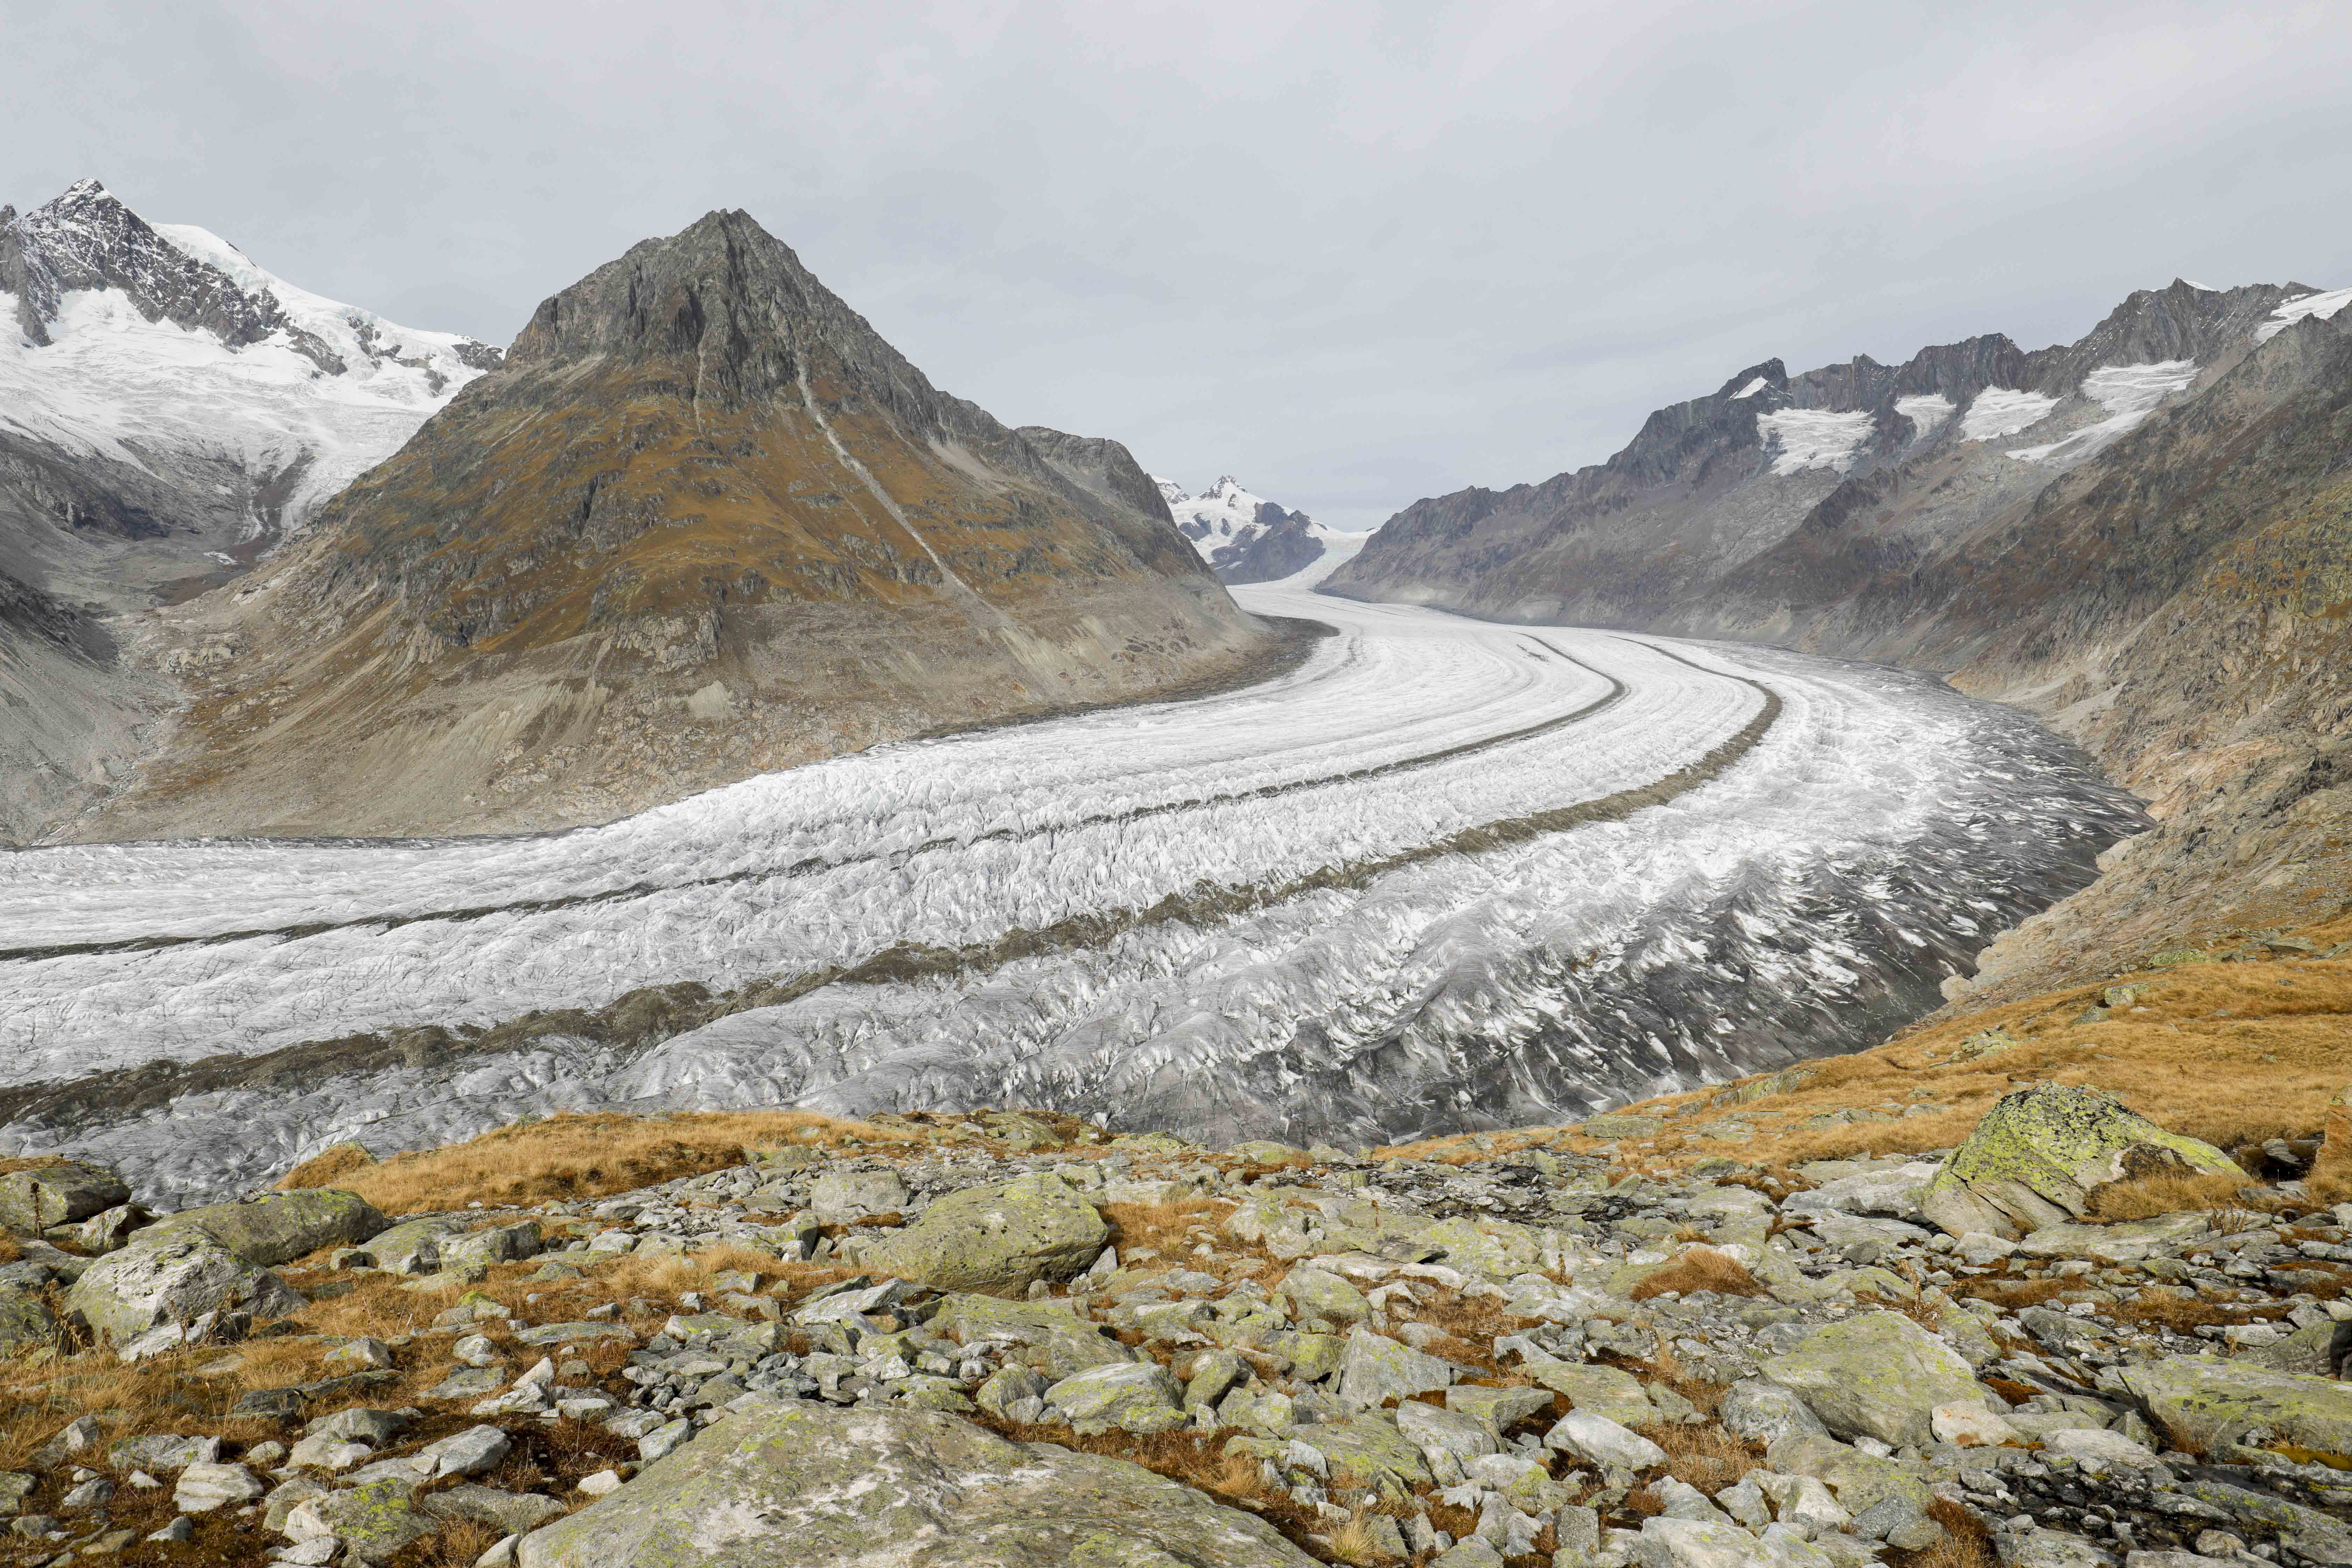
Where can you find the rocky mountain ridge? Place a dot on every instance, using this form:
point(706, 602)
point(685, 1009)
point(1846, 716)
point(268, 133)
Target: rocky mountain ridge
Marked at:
point(703, 522)
point(2021, 522)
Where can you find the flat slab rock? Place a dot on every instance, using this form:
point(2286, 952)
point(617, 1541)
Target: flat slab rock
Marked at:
point(781, 1481)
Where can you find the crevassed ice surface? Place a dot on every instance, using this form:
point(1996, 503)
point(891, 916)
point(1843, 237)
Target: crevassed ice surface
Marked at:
point(1814, 438)
point(1446, 874)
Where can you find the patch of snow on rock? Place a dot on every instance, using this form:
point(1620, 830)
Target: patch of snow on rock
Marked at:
point(1927, 411)
point(2129, 392)
point(1751, 389)
point(2323, 306)
point(2002, 411)
point(1815, 438)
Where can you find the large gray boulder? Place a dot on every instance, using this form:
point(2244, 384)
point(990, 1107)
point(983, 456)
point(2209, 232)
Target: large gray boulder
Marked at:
point(33, 1201)
point(779, 1480)
point(2231, 1409)
point(2041, 1154)
point(174, 1283)
point(997, 1238)
point(276, 1228)
point(1876, 1374)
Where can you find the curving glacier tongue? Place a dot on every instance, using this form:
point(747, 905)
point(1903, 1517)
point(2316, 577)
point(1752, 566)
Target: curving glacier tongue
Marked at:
point(1447, 874)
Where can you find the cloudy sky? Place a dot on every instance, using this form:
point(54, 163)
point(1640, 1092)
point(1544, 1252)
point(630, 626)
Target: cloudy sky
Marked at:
point(1353, 254)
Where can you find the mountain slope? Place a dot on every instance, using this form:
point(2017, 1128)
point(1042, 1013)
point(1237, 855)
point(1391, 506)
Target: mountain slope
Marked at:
point(169, 411)
point(2133, 535)
point(703, 522)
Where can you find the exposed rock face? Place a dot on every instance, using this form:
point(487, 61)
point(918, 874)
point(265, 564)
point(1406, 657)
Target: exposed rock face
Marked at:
point(2042, 1154)
point(2131, 536)
point(168, 413)
point(780, 1479)
point(703, 523)
point(276, 1227)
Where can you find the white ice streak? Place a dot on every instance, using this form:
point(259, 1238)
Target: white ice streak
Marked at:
point(2000, 410)
point(1815, 438)
point(1926, 411)
point(1754, 386)
point(2323, 306)
point(2129, 392)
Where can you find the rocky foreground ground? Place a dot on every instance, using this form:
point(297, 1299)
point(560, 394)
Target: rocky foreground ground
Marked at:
point(1011, 1338)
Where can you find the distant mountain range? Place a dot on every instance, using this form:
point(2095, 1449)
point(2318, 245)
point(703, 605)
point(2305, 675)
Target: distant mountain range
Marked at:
point(2142, 536)
point(1245, 538)
point(698, 522)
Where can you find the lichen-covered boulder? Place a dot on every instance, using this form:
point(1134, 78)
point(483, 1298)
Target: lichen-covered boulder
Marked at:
point(839, 1196)
point(1876, 1374)
point(33, 1201)
point(1136, 1396)
point(276, 1227)
point(1376, 1370)
point(2230, 1409)
point(785, 1481)
point(1055, 1338)
point(996, 1238)
point(1597, 1389)
point(25, 1321)
point(1319, 1293)
point(2041, 1155)
point(172, 1282)
point(412, 1246)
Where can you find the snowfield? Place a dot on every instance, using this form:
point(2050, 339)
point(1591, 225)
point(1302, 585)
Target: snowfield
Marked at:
point(1445, 874)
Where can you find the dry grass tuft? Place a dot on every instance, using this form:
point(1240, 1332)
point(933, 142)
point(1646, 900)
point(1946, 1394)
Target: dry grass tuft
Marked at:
point(1708, 1457)
point(580, 1156)
point(1966, 1544)
point(1701, 1268)
point(2161, 1195)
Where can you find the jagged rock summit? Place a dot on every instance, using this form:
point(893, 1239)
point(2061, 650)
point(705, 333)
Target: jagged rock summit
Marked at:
point(703, 522)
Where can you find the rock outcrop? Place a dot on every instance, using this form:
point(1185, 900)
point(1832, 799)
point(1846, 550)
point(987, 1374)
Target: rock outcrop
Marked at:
point(2044, 1154)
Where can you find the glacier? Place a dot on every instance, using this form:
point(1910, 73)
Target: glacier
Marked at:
point(1445, 874)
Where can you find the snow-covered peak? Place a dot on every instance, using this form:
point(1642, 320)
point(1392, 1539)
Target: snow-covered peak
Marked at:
point(1218, 516)
point(169, 349)
point(366, 343)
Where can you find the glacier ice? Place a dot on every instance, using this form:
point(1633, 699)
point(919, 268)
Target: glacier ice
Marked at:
point(1323, 906)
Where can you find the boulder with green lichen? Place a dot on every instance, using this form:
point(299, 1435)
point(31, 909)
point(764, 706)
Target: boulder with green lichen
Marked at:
point(2042, 1154)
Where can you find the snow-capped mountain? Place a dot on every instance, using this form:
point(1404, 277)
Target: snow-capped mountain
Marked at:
point(166, 350)
point(169, 410)
point(1245, 538)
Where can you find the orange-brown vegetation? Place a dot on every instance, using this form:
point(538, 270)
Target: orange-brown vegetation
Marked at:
point(2235, 1053)
point(1700, 1268)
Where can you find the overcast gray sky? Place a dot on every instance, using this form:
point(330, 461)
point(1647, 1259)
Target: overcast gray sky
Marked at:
point(1353, 254)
